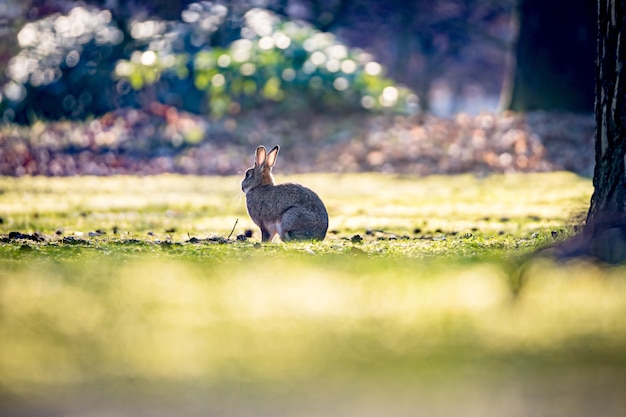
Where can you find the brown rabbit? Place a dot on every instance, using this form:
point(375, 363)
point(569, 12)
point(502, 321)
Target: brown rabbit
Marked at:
point(292, 211)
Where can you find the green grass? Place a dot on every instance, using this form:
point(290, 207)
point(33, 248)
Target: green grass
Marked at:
point(139, 320)
point(176, 208)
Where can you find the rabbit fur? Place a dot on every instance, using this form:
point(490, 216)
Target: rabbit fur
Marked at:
point(290, 211)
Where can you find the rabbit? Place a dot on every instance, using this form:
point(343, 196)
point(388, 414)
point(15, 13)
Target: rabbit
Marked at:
point(292, 211)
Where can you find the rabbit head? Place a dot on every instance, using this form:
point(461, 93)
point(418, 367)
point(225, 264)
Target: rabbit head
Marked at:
point(261, 172)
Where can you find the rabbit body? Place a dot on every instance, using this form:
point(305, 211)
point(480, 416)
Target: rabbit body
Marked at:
point(292, 211)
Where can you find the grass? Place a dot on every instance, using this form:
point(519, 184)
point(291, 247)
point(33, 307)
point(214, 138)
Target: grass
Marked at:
point(423, 315)
point(176, 208)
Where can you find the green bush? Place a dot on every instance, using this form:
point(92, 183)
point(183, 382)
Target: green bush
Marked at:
point(64, 67)
point(85, 63)
point(282, 63)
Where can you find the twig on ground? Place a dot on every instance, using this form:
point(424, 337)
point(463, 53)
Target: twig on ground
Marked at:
point(231, 232)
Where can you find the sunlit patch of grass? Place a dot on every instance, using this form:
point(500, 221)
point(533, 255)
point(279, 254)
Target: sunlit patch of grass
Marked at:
point(129, 204)
point(165, 205)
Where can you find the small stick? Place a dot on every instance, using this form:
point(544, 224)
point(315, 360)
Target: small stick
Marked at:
point(231, 232)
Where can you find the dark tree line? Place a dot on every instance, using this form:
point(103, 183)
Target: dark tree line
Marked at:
point(604, 236)
point(551, 65)
point(462, 43)
point(609, 180)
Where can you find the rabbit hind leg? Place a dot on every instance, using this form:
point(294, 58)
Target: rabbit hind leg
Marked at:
point(300, 224)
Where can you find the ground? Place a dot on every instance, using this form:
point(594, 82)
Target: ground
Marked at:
point(143, 296)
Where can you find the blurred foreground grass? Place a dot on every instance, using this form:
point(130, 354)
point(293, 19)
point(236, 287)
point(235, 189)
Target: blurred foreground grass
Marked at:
point(404, 322)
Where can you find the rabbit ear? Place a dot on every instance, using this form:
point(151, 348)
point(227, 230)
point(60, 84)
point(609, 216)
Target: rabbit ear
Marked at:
point(271, 156)
point(259, 156)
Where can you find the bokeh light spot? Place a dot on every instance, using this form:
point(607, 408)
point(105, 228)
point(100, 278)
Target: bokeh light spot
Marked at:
point(373, 68)
point(27, 36)
point(348, 66)
point(389, 96)
point(289, 74)
point(341, 84)
point(266, 42)
point(318, 58)
point(247, 69)
point(218, 80)
point(223, 60)
point(333, 65)
point(148, 58)
point(281, 40)
point(368, 102)
point(72, 58)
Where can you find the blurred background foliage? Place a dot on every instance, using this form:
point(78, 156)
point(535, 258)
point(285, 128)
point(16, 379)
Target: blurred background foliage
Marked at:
point(74, 60)
point(63, 69)
point(108, 87)
point(274, 61)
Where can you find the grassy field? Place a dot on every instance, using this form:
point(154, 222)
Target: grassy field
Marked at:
point(133, 296)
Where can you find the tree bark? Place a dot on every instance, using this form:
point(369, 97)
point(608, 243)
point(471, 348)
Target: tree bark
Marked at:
point(609, 177)
point(553, 58)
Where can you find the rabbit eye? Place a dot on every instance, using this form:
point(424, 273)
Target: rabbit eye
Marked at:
point(248, 173)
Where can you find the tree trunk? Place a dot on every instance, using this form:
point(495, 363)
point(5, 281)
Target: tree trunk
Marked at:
point(553, 58)
point(609, 178)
